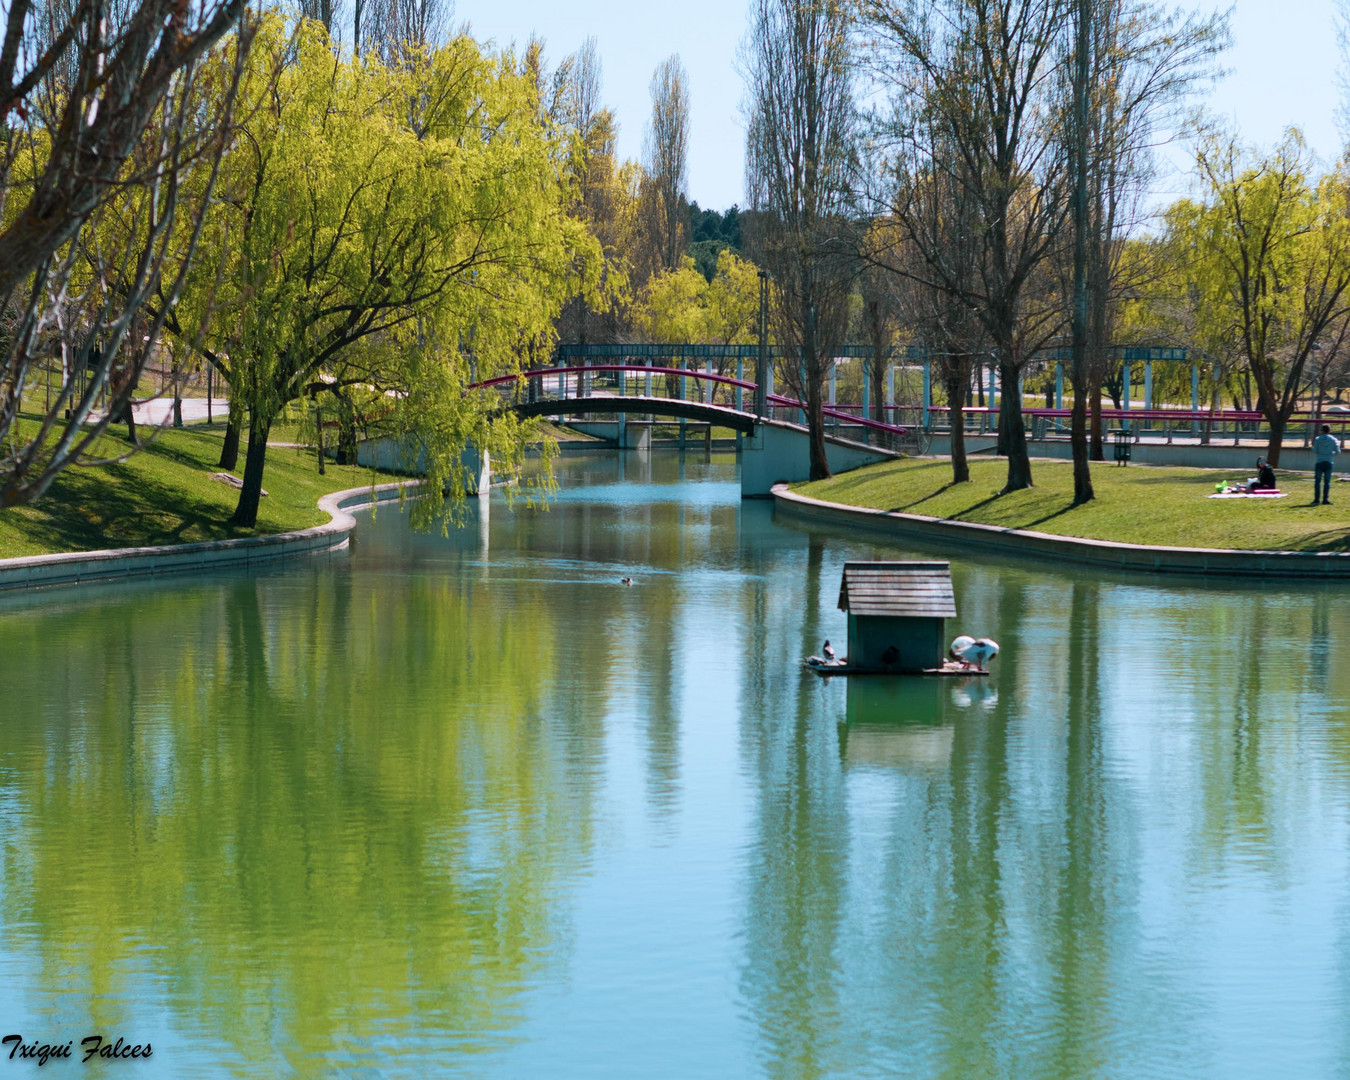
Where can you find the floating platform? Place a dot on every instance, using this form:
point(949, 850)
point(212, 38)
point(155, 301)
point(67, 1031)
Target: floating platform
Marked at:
point(842, 667)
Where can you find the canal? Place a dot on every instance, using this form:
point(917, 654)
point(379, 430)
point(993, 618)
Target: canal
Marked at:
point(469, 806)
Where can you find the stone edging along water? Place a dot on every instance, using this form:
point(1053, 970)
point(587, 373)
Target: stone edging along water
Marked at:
point(74, 567)
point(1219, 562)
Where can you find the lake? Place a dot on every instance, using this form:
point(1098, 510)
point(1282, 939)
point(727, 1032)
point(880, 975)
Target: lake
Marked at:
point(468, 806)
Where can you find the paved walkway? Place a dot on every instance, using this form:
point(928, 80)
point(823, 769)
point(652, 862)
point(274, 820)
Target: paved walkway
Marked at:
point(159, 411)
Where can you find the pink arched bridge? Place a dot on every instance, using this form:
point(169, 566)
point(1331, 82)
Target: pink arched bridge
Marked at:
point(664, 392)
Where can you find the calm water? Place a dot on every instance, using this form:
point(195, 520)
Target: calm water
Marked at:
point(470, 807)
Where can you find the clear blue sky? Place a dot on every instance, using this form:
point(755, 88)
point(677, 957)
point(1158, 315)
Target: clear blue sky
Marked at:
point(1284, 63)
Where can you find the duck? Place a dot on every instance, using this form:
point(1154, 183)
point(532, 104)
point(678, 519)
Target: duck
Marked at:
point(625, 581)
point(973, 652)
point(828, 651)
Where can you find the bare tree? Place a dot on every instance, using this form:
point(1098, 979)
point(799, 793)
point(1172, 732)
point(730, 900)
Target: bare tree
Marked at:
point(880, 311)
point(666, 155)
point(931, 249)
point(800, 163)
point(1137, 64)
point(587, 79)
point(973, 87)
point(115, 120)
point(324, 11)
point(398, 30)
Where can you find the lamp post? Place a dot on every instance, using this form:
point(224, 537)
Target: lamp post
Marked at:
point(762, 360)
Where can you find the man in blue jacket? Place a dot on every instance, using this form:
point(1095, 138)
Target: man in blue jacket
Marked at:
point(1325, 448)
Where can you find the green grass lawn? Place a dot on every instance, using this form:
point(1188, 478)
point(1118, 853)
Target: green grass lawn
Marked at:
point(1138, 504)
point(164, 495)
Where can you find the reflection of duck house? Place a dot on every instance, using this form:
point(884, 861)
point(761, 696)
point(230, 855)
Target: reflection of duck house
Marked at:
point(896, 614)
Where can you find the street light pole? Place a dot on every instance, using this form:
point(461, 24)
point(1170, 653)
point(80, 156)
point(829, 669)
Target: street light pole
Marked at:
point(762, 361)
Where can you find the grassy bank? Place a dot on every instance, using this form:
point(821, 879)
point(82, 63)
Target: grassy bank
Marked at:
point(1138, 504)
point(164, 495)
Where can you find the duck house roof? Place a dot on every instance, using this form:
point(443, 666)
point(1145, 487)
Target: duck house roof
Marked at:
point(904, 590)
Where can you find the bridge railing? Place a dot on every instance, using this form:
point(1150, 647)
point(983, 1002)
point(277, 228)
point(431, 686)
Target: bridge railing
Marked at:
point(1205, 425)
point(592, 381)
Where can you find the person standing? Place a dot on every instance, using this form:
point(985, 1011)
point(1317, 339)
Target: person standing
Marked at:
point(1325, 448)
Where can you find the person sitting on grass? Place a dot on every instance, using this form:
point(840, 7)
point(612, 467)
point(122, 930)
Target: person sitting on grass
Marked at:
point(1265, 478)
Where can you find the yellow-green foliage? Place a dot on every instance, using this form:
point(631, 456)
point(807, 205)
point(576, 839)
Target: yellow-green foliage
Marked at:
point(424, 206)
point(682, 306)
point(1263, 262)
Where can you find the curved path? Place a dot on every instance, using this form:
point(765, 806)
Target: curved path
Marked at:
point(74, 567)
point(1221, 562)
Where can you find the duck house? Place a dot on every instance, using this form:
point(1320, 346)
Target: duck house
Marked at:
point(896, 614)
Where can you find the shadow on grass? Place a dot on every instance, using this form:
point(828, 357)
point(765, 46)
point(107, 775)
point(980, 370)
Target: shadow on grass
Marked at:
point(83, 512)
point(957, 515)
point(1048, 517)
point(1328, 540)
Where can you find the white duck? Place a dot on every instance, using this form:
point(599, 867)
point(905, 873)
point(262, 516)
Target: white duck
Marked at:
point(973, 652)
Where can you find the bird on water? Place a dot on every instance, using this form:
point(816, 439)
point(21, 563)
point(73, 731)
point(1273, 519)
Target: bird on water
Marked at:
point(828, 651)
point(625, 581)
point(973, 652)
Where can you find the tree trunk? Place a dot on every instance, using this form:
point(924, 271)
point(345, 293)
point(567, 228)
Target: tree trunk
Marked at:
point(229, 450)
point(177, 397)
point(125, 414)
point(1012, 430)
point(1276, 442)
point(1078, 372)
point(1078, 440)
point(957, 385)
point(815, 426)
point(246, 513)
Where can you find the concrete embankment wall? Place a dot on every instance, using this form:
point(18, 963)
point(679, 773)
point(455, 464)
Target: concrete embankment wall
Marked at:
point(68, 568)
point(1220, 562)
point(781, 453)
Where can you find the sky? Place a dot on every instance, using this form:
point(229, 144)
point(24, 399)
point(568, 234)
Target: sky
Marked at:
point(1284, 70)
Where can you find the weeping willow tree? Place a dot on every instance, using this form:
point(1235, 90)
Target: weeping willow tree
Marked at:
point(422, 206)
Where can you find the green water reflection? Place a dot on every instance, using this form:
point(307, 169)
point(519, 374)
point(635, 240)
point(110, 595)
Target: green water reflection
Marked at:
point(472, 807)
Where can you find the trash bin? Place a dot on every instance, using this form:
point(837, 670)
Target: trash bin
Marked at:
point(1123, 447)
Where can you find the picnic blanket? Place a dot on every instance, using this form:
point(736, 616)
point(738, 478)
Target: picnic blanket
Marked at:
point(1250, 495)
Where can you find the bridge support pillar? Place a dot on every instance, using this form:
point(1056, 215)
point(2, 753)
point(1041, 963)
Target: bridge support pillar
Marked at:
point(1125, 393)
point(390, 455)
point(779, 453)
point(1059, 384)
